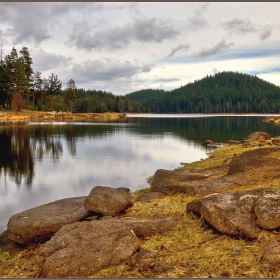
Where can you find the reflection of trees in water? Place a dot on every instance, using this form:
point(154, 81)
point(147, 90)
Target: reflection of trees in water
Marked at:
point(218, 129)
point(44, 142)
point(16, 158)
point(21, 145)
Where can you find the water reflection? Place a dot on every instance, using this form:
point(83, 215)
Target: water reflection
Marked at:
point(51, 162)
point(16, 158)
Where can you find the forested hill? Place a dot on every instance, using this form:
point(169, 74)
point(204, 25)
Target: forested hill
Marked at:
point(225, 92)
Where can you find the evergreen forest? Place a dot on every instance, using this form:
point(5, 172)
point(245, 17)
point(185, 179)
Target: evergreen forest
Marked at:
point(225, 92)
point(21, 87)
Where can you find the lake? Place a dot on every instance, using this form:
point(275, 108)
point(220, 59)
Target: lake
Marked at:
point(44, 162)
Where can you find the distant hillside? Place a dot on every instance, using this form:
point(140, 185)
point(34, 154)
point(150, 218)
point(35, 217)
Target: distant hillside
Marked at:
point(225, 92)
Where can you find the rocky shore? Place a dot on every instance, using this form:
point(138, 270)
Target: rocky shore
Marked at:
point(37, 116)
point(219, 217)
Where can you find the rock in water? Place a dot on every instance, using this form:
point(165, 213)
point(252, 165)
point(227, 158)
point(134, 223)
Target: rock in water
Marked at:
point(82, 249)
point(41, 222)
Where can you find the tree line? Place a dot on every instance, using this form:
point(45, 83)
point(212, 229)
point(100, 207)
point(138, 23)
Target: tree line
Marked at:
point(22, 87)
point(224, 92)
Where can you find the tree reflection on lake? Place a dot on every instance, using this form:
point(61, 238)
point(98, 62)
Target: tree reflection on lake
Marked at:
point(44, 162)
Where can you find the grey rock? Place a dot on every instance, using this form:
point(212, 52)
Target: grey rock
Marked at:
point(232, 213)
point(168, 182)
point(83, 248)
point(255, 159)
point(108, 201)
point(39, 223)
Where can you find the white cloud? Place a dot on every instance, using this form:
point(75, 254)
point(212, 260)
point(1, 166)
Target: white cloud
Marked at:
point(43, 60)
point(121, 47)
point(108, 69)
point(118, 37)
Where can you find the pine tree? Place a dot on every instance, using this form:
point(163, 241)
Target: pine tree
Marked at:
point(27, 61)
point(3, 85)
point(70, 95)
point(53, 86)
point(36, 87)
point(16, 81)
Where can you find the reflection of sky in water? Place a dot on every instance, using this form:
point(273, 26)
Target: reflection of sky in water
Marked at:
point(116, 159)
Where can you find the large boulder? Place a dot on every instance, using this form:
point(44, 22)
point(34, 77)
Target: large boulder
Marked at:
point(259, 136)
point(206, 187)
point(254, 160)
point(240, 214)
point(168, 182)
point(39, 223)
point(148, 227)
point(108, 201)
point(83, 248)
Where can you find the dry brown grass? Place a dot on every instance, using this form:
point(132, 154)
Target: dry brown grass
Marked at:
point(191, 249)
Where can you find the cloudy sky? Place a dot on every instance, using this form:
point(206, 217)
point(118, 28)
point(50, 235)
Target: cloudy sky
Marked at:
point(123, 47)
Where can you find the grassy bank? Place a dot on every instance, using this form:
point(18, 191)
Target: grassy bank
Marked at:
point(40, 116)
point(192, 249)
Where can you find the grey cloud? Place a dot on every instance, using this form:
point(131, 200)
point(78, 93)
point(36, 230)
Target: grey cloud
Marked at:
point(179, 48)
point(265, 34)
point(166, 80)
point(43, 60)
point(152, 30)
point(61, 8)
point(238, 25)
point(31, 21)
point(147, 68)
point(26, 21)
point(107, 69)
point(220, 48)
point(115, 38)
point(197, 21)
point(201, 8)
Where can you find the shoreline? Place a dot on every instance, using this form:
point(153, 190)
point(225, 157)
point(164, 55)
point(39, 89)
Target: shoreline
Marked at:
point(38, 116)
point(190, 230)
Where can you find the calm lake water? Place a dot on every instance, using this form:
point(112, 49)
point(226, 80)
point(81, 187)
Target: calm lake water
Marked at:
point(44, 162)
